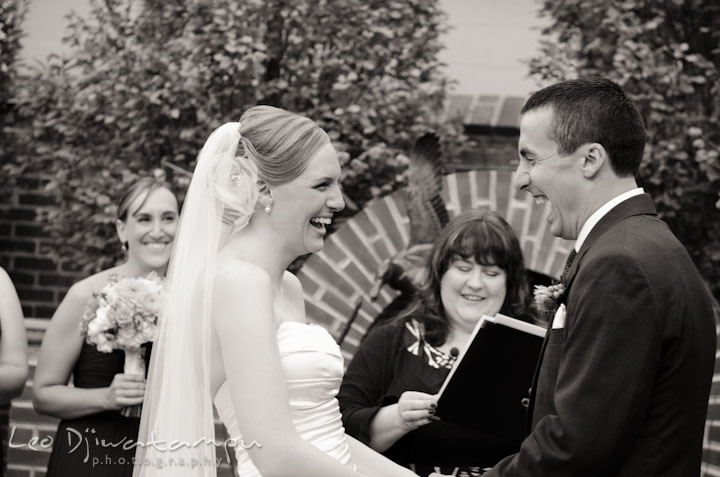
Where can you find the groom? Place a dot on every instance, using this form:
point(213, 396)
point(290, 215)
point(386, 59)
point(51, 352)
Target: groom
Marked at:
point(623, 382)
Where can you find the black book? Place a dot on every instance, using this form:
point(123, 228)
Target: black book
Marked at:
point(489, 382)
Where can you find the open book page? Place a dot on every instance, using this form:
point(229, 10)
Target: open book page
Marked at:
point(501, 319)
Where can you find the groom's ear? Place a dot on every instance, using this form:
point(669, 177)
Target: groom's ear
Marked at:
point(594, 158)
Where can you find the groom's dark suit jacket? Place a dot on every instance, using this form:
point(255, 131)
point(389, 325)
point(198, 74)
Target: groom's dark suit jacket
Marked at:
point(622, 389)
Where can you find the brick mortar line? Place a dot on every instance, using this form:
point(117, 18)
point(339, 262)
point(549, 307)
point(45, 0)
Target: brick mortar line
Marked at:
point(541, 231)
point(497, 111)
point(348, 253)
point(452, 188)
point(330, 311)
point(372, 216)
point(401, 222)
point(355, 227)
point(474, 193)
point(341, 271)
point(322, 287)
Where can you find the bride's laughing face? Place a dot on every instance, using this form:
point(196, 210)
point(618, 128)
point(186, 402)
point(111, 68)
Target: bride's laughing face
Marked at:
point(304, 207)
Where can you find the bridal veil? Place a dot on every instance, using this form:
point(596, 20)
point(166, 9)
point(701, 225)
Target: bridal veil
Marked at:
point(177, 428)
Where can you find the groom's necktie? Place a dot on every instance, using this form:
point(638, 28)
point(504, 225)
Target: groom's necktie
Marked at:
point(568, 264)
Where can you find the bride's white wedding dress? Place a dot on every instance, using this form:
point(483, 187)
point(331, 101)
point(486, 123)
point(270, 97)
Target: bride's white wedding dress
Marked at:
point(313, 369)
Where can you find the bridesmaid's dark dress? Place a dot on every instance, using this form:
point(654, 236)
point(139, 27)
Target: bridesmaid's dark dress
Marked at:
point(98, 444)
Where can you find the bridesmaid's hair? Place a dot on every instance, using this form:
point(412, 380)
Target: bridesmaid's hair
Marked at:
point(144, 185)
point(279, 142)
point(486, 238)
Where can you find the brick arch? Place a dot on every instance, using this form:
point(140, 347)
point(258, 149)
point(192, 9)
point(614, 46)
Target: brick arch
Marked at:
point(339, 277)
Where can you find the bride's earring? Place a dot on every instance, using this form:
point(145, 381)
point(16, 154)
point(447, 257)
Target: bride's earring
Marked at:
point(265, 196)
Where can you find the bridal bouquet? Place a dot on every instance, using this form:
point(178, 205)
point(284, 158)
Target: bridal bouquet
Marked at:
point(124, 315)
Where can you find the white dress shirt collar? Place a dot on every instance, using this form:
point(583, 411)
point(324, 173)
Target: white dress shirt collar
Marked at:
point(601, 212)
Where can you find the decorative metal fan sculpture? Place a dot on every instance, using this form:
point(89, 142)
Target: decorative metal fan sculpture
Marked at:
point(405, 271)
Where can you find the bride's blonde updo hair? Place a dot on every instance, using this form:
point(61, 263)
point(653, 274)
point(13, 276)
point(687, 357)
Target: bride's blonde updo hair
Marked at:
point(279, 142)
point(269, 144)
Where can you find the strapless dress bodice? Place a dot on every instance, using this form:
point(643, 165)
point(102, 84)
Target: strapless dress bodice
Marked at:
point(313, 368)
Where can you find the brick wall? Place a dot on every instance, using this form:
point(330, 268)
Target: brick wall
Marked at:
point(711, 444)
point(338, 278)
point(25, 249)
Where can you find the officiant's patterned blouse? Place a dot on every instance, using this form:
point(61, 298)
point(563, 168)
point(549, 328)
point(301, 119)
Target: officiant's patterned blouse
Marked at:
point(388, 393)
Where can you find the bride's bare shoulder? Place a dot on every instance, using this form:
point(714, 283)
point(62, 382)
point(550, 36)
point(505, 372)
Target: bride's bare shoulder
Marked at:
point(242, 292)
point(238, 272)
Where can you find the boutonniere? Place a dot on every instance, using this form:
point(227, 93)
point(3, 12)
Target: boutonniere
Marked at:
point(546, 298)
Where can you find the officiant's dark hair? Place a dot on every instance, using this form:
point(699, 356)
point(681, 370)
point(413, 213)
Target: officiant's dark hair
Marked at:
point(486, 238)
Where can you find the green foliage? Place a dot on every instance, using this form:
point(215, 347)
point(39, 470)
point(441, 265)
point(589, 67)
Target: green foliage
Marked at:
point(12, 14)
point(149, 80)
point(666, 54)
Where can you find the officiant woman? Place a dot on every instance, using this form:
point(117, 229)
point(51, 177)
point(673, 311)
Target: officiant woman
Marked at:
point(89, 410)
point(387, 397)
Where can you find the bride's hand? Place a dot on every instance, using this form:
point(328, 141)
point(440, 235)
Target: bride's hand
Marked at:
point(125, 390)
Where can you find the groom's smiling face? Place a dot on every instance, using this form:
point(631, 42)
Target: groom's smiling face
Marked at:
point(304, 207)
point(547, 175)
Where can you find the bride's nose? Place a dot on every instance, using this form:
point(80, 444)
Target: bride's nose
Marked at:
point(336, 202)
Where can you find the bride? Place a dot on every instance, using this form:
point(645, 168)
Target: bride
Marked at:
point(234, 330)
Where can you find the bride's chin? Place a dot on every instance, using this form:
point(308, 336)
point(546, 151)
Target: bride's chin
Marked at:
point(314, 247)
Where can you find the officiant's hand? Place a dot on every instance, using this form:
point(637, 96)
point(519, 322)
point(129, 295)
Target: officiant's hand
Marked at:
point(416, 409)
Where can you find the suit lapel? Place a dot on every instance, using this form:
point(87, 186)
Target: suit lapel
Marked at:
point(638, 205)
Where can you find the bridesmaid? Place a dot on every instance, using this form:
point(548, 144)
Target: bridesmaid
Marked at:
point(13, 343)
point(89, 409)
point(13, 346)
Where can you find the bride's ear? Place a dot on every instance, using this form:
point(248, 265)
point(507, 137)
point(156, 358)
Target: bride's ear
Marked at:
point(265, 195)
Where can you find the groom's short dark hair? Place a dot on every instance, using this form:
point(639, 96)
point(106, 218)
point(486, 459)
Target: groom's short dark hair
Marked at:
point(594, 110)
